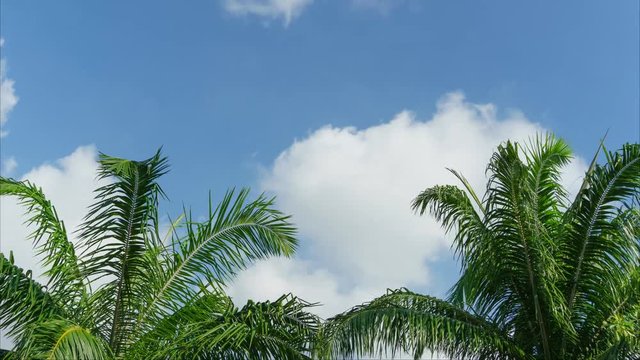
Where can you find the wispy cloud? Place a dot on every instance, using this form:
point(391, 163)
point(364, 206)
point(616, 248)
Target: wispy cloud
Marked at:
point(8, 98)
point(287, 10)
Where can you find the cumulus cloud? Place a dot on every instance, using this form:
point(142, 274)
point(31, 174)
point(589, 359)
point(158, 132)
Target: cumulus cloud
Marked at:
point(276, 276)
point(286, 10)
point(350, 189)
point(8, 97)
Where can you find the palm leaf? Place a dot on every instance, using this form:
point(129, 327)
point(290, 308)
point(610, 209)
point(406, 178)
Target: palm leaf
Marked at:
point(23, 302)
point(65, 280)
point(621, 300)
point(513, 218)
point(405, 321)
point(237, 233)
point(59, 339)
point(212, 328)
point(454, 210)
point(594, 248)
point(116, 238)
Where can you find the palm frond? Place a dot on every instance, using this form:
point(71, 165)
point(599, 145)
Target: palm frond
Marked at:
point(23, 302)
point(454, 210)
point(595, 249)
point(130, 294)
point(592, 165)
point(546, 156)
point(60, 339)
point(526, 250)
point(155, 341)
point(236, 233)
point(469, 189)
point(115, 235)
point(212, 328)
point(405, 321)
point(50, 241)
point(608, 311)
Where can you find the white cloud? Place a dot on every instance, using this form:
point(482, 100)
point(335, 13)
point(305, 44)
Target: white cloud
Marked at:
point(287, 10)
point(274, 277)
point(8, 98)
point(350, 192)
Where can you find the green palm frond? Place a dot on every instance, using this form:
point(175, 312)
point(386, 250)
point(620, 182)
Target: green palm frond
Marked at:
point(59, 339)
point(452, 207)
point(454, 210)
point(546, 157)
point(614, 315)
point(213, 328)
point(288, 335)
point(405, 321)
point(595, 248)
point(525, 250)
point(115, 236)
point(23, 302)
point(236, 233)
point(50, 241)
point(619, 323)
point(160, 340)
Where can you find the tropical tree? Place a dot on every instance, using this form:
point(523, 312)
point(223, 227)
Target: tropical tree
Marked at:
point(542, 277)
point(124, 291)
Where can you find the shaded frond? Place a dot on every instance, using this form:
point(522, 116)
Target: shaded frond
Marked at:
point(23, 302)
point(59, 339)
point(405, 321)
point(212, 328)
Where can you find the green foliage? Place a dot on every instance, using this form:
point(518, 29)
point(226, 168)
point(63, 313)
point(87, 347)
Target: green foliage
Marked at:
point(126, 292)
point(542, 277)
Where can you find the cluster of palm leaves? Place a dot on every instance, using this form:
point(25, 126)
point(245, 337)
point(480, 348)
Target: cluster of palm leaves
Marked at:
point(125, 290)
point(543, 276)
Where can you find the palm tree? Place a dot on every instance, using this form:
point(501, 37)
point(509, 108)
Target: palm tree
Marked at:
point(126, 292)
point(541, 277)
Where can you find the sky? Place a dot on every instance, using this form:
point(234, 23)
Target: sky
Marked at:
point(344, 110)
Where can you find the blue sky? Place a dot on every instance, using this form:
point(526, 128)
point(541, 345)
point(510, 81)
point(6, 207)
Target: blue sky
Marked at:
point(225, 86)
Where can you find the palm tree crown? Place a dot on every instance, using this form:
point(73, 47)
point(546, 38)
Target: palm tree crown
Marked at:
point(125, 291)
point(541, 277)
